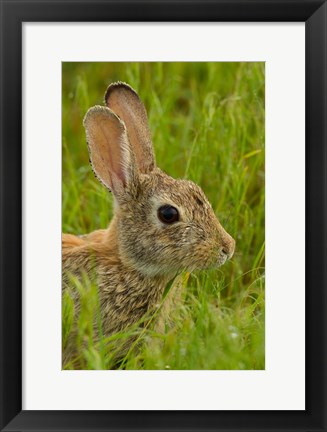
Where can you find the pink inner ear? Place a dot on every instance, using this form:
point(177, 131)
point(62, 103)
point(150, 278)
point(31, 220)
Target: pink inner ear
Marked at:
point(125, 102)
point(108, 147)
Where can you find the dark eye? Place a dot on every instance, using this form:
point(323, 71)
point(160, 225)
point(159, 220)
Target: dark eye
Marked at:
point(168, 214)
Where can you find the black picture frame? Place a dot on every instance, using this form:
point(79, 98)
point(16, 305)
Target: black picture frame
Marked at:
point(13, 14)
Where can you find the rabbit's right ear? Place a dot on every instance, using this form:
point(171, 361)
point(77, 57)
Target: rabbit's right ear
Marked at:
point(125, 102)
point(111, 156)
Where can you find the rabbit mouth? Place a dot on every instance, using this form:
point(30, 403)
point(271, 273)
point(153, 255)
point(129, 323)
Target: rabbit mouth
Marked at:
point(221, 260)
point(213, 263)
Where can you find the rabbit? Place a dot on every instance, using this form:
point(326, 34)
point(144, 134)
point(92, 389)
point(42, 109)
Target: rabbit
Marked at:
point(161, 225)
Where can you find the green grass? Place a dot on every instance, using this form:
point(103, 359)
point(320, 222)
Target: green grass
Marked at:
point(207, 122)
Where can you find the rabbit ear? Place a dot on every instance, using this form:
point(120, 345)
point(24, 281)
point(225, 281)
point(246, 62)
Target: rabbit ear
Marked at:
point(125, 102)
point(111, 155)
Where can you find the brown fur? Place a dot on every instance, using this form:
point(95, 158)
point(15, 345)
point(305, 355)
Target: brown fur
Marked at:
point(134, 259)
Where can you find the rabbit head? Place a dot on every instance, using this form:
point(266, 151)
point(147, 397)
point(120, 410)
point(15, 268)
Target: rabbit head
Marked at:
point(164, 225)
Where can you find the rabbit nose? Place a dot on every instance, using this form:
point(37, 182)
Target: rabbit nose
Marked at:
point(228, 246)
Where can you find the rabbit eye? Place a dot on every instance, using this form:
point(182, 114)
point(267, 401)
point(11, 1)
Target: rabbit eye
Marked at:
point(168, 214)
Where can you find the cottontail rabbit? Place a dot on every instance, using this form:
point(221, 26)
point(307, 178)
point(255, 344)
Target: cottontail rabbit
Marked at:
point(161, 225)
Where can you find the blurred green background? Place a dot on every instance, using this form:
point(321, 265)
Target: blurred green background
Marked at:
point(208, 125)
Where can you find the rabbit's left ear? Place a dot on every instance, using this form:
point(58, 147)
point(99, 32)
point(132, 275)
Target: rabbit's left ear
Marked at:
point(111, 156)
point(127, 105)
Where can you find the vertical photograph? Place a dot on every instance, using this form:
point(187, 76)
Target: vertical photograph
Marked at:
point(163, 215)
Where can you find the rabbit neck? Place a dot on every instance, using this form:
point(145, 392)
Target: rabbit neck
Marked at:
point(125, 294)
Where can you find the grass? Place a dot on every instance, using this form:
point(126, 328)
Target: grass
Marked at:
point(207, 123)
